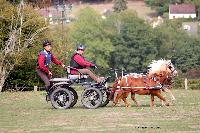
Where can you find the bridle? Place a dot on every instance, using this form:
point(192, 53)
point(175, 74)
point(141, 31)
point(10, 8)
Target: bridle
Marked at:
point(172, 69)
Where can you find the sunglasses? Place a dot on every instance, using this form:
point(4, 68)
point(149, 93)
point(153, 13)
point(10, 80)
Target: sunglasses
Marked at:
point(81, 49)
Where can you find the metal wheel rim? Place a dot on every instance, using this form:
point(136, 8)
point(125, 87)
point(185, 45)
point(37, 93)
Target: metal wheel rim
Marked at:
point(91, 98)
point(61, 99)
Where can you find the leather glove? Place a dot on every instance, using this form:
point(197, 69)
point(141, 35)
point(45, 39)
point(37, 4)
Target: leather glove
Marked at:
point(93, 66)
point(63, 66)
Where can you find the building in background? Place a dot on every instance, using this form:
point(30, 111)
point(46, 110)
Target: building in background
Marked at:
point(190, 27)
point(182, 11)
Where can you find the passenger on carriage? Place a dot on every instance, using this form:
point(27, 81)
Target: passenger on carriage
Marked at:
point(82, 65)
point(45, 57)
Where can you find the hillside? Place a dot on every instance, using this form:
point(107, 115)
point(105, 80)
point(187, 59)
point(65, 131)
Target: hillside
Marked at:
point(139, 6)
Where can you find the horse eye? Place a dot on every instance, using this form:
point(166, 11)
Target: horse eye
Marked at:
point(170, 67)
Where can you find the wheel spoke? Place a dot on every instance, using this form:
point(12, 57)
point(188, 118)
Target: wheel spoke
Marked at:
point(61, 98)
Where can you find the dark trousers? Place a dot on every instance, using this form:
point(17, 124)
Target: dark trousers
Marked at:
point(44, 76)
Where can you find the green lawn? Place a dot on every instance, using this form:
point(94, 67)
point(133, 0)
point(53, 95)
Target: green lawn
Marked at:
point(28, 112)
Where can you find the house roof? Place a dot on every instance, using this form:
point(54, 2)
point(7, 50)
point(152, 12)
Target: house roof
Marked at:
point(182, 9)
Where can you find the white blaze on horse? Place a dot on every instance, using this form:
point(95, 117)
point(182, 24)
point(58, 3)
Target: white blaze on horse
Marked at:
point(159, 74)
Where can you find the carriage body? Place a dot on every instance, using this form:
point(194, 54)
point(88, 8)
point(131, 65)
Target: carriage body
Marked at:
point(63, 95)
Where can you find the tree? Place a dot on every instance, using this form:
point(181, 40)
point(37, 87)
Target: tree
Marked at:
point(120, 5)
point(177, 45)
point(89, 30)
point(134, 42)
point(21, 27)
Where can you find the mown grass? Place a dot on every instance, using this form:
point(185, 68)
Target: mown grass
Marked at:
point(28, 112)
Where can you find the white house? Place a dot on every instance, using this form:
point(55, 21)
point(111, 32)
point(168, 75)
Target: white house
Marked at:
point(190, 27)
point(182, 11)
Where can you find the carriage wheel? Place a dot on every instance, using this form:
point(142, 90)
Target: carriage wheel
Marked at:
point(105, 99)
point(74, 96)
point(91, 98)
point(61, 98)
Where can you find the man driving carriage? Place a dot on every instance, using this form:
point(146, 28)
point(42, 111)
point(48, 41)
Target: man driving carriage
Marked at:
point(81, 64)
point(45, 57)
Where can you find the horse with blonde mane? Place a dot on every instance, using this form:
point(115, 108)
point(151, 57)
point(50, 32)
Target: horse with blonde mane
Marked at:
point(159, 74)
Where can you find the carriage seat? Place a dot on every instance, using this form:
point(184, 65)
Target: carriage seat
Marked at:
point(75, 76)
point(59, 80)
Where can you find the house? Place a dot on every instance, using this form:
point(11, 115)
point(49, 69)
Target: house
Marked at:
point(182, 11)
point(190, 27)
point(56, 15)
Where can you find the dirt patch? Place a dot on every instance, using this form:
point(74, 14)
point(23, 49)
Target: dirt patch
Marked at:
point(139, 6)
point(59, 121)
point(195, 126)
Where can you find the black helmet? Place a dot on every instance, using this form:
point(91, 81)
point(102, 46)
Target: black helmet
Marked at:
point(46, 43)
point(81, 46)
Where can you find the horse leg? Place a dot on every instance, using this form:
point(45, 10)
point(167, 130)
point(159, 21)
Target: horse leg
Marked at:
point(133, 98)
point(111, 96)
point(162, 103)
point(124, 98)
point(162, 98)
point(170, 93)
point(152, 101)
point(116, 99)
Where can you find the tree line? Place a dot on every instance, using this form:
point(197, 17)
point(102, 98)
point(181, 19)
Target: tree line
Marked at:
point(121, 40)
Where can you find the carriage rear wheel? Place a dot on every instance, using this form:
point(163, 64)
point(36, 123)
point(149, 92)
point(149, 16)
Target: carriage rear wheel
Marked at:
point(91, 98)
point(61, 98)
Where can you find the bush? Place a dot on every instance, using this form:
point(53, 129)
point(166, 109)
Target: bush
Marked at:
point(179, 83)
point(194, 84)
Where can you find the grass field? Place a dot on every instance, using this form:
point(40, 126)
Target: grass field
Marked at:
point(28, 112)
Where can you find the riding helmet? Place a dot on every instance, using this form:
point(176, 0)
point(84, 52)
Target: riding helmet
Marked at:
point(46, 43)
point(81, 46)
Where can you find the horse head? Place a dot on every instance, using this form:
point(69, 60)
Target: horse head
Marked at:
point(163, 71)
point(164, 77)
point(170, 68)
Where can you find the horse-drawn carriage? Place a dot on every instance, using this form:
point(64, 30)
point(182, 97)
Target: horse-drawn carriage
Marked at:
point(63, 95)
point(94, 95)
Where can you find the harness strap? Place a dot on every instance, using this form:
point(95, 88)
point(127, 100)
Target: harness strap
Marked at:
point(126, 80)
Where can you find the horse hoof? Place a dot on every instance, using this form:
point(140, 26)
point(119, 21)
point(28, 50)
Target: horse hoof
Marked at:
point(114, 104)
point(167, 104)
point(138, 105)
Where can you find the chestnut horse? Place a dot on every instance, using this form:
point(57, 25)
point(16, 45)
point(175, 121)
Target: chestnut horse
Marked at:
point(159, 74)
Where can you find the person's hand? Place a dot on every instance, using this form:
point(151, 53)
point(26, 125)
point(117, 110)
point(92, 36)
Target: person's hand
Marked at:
point(63, 65)
point(50, 74)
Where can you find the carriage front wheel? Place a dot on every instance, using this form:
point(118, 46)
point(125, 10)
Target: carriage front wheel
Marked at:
point(61, 98)
point(91, 98)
